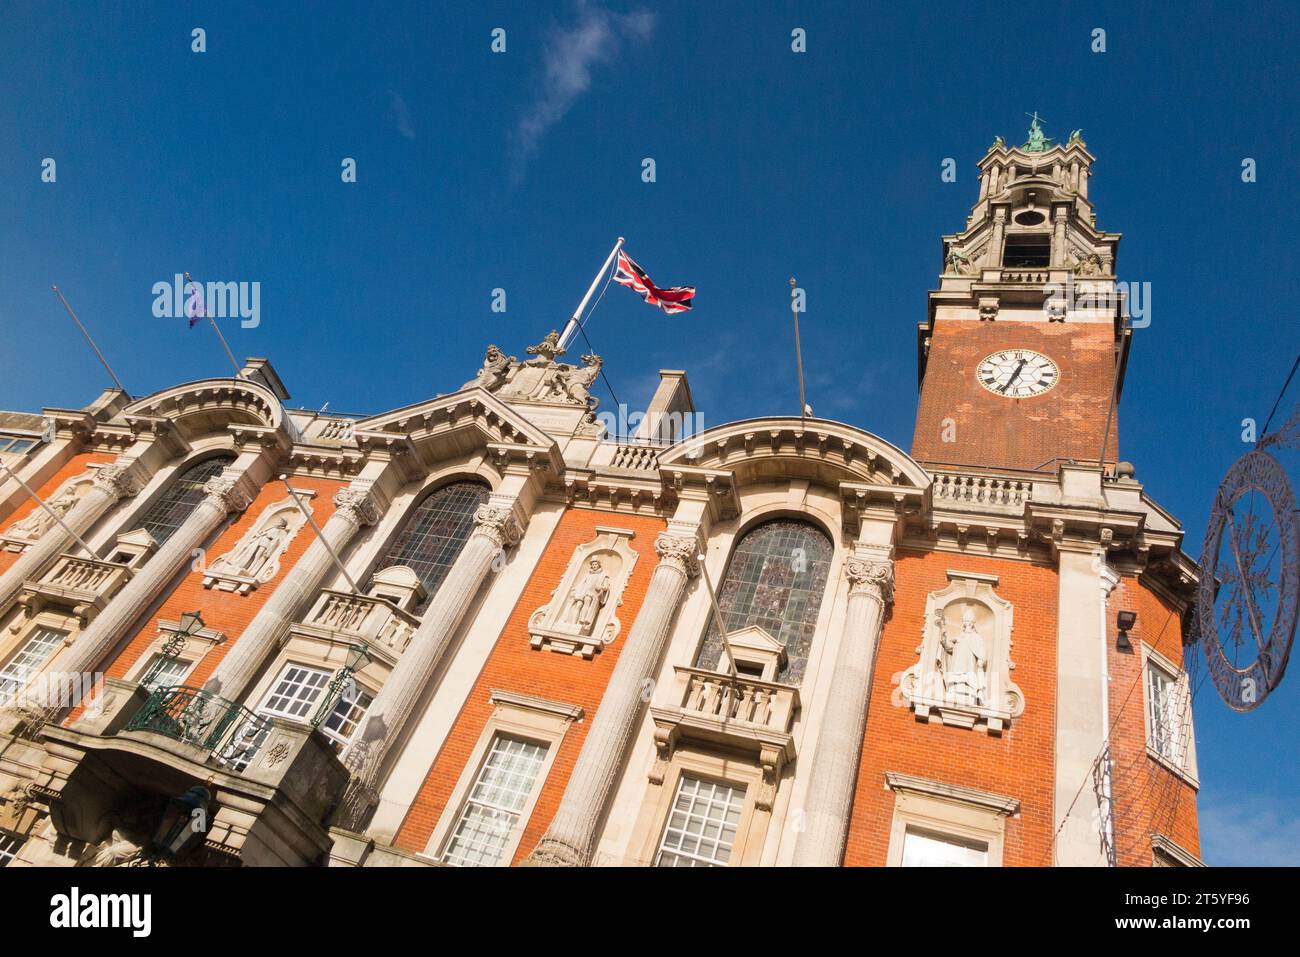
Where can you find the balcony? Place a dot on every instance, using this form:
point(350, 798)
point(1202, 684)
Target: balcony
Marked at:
point(738, 714)
point(82, 585)
point(229, 732)
point(346, 618)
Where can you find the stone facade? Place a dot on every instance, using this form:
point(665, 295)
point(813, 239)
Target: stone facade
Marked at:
point(538, 697)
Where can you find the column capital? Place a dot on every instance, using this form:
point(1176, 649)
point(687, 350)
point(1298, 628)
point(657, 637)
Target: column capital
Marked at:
point(499, 523)
point(356, 504)
point(228, 492)
point(870, 576)
point(120, 481)
point(679, 551)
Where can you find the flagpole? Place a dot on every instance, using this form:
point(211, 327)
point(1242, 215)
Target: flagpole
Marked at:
point(102, 360)
point(717, 616)
point(798, 352)
point(572, 324)
point(320, 536)
point(229, 355)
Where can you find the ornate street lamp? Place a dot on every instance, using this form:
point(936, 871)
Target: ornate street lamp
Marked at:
point(358, 657)
point(183, 819)
point(191, 624)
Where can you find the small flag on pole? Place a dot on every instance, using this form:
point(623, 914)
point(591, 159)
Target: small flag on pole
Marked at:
point(194, 305)
point(674, 299)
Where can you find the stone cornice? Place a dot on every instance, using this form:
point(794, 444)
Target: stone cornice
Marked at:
point(907, 783)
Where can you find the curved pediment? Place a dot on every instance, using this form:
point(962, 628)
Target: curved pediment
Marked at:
point(818, 450)
point(210, 406)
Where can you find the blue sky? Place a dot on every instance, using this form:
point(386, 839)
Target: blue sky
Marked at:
point(478, 171)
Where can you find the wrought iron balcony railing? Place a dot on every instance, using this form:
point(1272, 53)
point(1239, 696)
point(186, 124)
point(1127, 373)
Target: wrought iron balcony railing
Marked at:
point(226, 729)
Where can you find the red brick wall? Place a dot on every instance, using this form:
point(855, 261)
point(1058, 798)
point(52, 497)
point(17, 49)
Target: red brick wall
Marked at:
point(994, 431)
point(1148, 797)
point(514, 666)
point(222, 611)
point(1018, 764)
point(74, 466)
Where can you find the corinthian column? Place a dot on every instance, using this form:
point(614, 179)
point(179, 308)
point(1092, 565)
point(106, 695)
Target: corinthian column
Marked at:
point(839, 745)
point(568, 841)
point(354, 508)
point(496, 528)
point(112, 482)
point(222, 495)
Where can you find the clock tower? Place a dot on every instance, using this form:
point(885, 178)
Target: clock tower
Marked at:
point(1024, 345)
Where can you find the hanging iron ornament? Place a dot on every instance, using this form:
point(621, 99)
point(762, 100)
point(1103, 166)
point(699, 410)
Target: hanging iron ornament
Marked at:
point(1249, 590)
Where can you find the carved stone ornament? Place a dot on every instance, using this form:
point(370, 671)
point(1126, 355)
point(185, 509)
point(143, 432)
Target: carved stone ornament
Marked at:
point(255, 559)
point(680, 552)
point(870, 576)
point(963, 673)
point(499, 524)
point(357, 504)
point(39, 521)
point(229, 492)
point(121, 480)
point(581, 617)
point(540, 379)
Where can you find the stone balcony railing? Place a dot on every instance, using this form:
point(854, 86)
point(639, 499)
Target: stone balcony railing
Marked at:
point(640, 458)
point(741, 714)
point(82, 585)
point(375, 622)
point(981, 491)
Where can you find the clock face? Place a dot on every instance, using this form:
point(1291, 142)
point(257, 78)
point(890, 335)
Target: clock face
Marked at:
point(1017, 373)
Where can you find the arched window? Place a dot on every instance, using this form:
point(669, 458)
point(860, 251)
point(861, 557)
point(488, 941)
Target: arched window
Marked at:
point(775, 580)
point(168, 514)
point(436, 532)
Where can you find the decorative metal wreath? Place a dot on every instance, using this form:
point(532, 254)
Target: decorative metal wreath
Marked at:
point(1246, 647)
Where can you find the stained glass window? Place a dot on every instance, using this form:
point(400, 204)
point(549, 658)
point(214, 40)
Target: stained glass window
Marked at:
point(435, 533)
point(169, 513)
point(775, 580)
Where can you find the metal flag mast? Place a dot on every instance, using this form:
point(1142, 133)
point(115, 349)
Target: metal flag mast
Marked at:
point(91, 342)
point(229, 355)
point(48, 511)
point(798, 351)
point(572, 325)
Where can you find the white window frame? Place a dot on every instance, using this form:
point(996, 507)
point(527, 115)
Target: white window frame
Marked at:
point(734, 804)
point(482, 809)
point(977, 845)
point(10, 846)
point(940, 810)
point(1183, 762)
point(515, 715)
point(12, 683)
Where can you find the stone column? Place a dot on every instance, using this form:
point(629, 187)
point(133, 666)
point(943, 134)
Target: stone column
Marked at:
point(839, 745)
point(112, 482)
point(354, 508)
point(569, 840)
point(222, 495)
point(496, 528)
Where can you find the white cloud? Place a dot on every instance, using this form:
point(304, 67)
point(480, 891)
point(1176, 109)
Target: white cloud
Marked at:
point(400, 114)
point(568, 57)
point(1253, 832)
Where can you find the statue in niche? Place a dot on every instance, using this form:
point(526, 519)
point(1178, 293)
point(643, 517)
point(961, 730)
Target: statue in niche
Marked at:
point(36, 524)
point(587, 598)
point(963, 661)
point(249, 557)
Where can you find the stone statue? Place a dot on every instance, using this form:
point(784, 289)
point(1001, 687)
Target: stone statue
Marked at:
point(998, 143)
point(1089, 265)
point(250, 556)
point(496, 367)
point(1076, 136)
point(587, 598)
point(963, 661)
point(36, 524)
point(122, 848)
point(575, 383)
point(958, 262)
point(546, 351)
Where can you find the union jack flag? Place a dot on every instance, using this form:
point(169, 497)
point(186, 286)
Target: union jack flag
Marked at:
point(671, 300)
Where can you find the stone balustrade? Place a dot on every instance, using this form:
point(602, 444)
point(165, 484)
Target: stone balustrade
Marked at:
point(981, 490)
point(375, 621)
point(83, 585)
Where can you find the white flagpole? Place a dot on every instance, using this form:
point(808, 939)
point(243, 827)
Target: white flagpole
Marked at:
point(91, 342)
point(572, 325)
point(48, 511)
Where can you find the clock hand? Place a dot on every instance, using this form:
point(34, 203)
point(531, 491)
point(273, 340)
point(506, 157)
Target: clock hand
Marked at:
point(1014, 376)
